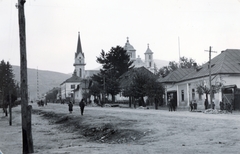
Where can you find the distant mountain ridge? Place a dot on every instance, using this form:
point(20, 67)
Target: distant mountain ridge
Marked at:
point(44, 80)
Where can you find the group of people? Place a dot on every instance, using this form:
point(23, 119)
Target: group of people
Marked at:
point(226, 105)
point(82, 104)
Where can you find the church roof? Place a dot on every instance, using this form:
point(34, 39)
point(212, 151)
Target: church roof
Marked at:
point(148, 51)
point(128, 46)
point(138, 62)
point(79, 46)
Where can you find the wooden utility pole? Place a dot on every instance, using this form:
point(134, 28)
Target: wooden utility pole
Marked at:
point(210, 74)
point(25, 109)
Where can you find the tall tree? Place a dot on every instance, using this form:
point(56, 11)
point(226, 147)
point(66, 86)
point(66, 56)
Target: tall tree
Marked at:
point(184, 63)
point(114, 64)
point(138, 87)
point(7, 86)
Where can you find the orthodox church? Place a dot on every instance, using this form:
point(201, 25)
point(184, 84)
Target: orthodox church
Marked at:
point(74, 87)
point(138, 62)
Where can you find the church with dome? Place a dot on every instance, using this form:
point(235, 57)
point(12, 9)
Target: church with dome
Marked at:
point(148, 62)
point(74, 86)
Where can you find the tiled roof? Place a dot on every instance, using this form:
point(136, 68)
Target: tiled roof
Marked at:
point(227, 62)
point(176, 75)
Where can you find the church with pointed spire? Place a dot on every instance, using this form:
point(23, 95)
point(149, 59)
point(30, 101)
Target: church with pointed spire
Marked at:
point(148, 62)
point(79, 60)
point(73, 87)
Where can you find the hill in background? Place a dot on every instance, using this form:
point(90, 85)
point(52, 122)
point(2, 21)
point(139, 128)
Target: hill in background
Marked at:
point(46, 80)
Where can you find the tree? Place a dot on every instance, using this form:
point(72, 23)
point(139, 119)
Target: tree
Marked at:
point(187, 63)
point(114, 64)
point(202, 88)
point(154, 90)
point(137, 88)
point(7, 86)
point(184, 63)
point(52, 95)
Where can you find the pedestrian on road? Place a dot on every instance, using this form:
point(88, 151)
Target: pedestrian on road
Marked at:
point(82, 105)
point(70, 107)
point(170, 107)
point(206, 104)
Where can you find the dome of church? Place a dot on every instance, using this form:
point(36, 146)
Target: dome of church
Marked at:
point(128, 46)
point(148, 50)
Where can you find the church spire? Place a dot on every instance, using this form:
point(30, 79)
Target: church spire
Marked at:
point(79, 46)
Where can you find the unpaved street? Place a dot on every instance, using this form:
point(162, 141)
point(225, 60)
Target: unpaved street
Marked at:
point(122, 130)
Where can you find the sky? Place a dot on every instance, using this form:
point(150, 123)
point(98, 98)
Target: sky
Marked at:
point(172, 28)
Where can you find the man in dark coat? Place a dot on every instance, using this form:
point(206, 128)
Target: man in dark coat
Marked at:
point(170, 107)
point(206, 104)
point(70, 107)
point(82, 105)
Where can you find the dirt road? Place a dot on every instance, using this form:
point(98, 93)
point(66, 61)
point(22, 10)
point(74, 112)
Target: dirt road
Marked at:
point(121, 130)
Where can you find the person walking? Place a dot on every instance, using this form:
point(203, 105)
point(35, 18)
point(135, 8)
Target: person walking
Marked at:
point(206, 104)
point(70, 107)
point(82, 105)
point(170, 108)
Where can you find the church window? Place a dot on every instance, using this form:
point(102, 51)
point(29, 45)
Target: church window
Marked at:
point(80, 72)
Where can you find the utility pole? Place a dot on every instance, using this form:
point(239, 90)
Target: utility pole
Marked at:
point(25, 108)
point(210, 75)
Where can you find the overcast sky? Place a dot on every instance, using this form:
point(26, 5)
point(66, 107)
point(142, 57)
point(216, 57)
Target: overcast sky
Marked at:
point(52, 28)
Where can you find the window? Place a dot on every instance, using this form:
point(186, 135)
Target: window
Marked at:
point(182, 92)
point(150, 64)
point(80, 72)
point(73, 86)
point(193, 94)
point(149, 57)
point(80, 59)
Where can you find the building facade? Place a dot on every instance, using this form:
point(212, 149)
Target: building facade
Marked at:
point(182, 84)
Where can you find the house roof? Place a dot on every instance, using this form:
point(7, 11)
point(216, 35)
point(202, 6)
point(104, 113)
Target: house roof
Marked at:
point(177, 75)
point(127, 78)
point(74, 78)
point(227, 62)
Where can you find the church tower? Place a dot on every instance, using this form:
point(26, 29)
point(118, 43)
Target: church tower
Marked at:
point(130, 50)
point(79, 63)
point(149, 58)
